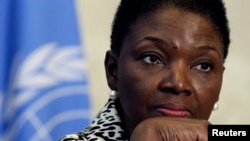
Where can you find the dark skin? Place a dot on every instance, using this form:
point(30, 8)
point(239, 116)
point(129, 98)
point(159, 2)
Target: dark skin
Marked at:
point(170, 67)
point(170, 129)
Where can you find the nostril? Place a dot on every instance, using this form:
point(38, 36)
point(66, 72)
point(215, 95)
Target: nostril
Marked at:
point(186, 92)
point(176, 81)
point(169, 90)
point(175, 91)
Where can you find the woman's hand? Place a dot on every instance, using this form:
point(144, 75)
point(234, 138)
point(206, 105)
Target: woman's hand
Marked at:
point(171, 129)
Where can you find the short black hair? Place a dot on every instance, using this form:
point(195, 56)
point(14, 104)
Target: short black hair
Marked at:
point(129, 11)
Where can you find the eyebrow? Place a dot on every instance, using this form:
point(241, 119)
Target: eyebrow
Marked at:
point(203, 47)
point(154, 39)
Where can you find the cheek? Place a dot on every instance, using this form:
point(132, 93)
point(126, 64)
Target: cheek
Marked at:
point(133, 81)
point(207, 94)
point(135, 89)
point(133, 85)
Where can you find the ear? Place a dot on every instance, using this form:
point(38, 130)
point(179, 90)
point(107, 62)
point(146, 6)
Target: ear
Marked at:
point(111, 63)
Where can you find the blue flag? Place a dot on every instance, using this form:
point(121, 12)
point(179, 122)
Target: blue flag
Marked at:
point(43, 77)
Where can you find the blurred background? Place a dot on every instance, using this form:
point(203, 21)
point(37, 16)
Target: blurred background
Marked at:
point(52, 77)
point(95, 20)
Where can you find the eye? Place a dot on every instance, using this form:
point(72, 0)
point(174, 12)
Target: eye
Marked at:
point(152, 59)
point(204, 67)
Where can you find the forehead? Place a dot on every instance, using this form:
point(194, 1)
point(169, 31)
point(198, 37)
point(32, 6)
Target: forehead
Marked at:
point(174, 16)
point(168, 22)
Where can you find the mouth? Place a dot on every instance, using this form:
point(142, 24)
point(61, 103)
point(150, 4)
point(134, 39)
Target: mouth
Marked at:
point(173, 110)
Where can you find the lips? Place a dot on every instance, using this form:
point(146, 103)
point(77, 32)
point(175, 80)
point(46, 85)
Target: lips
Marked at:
point(173, 110)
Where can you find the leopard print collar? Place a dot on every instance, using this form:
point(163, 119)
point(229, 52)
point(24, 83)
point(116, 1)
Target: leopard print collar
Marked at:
point(107, 126)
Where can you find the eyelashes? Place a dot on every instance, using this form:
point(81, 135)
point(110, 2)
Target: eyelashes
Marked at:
point(202, 65)
point(152, 59)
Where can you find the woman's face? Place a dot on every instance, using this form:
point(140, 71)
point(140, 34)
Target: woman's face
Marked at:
point(171, 64)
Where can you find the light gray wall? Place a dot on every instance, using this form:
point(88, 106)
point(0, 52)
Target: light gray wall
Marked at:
point(95, 17)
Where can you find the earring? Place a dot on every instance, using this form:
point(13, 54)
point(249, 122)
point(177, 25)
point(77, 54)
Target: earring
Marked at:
point(216, 106)
point(113, 94)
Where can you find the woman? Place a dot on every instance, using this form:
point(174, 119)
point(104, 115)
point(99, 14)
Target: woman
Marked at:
point(165, 70)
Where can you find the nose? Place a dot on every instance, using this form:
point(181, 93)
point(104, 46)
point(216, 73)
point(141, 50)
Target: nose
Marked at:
point(177, 79)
